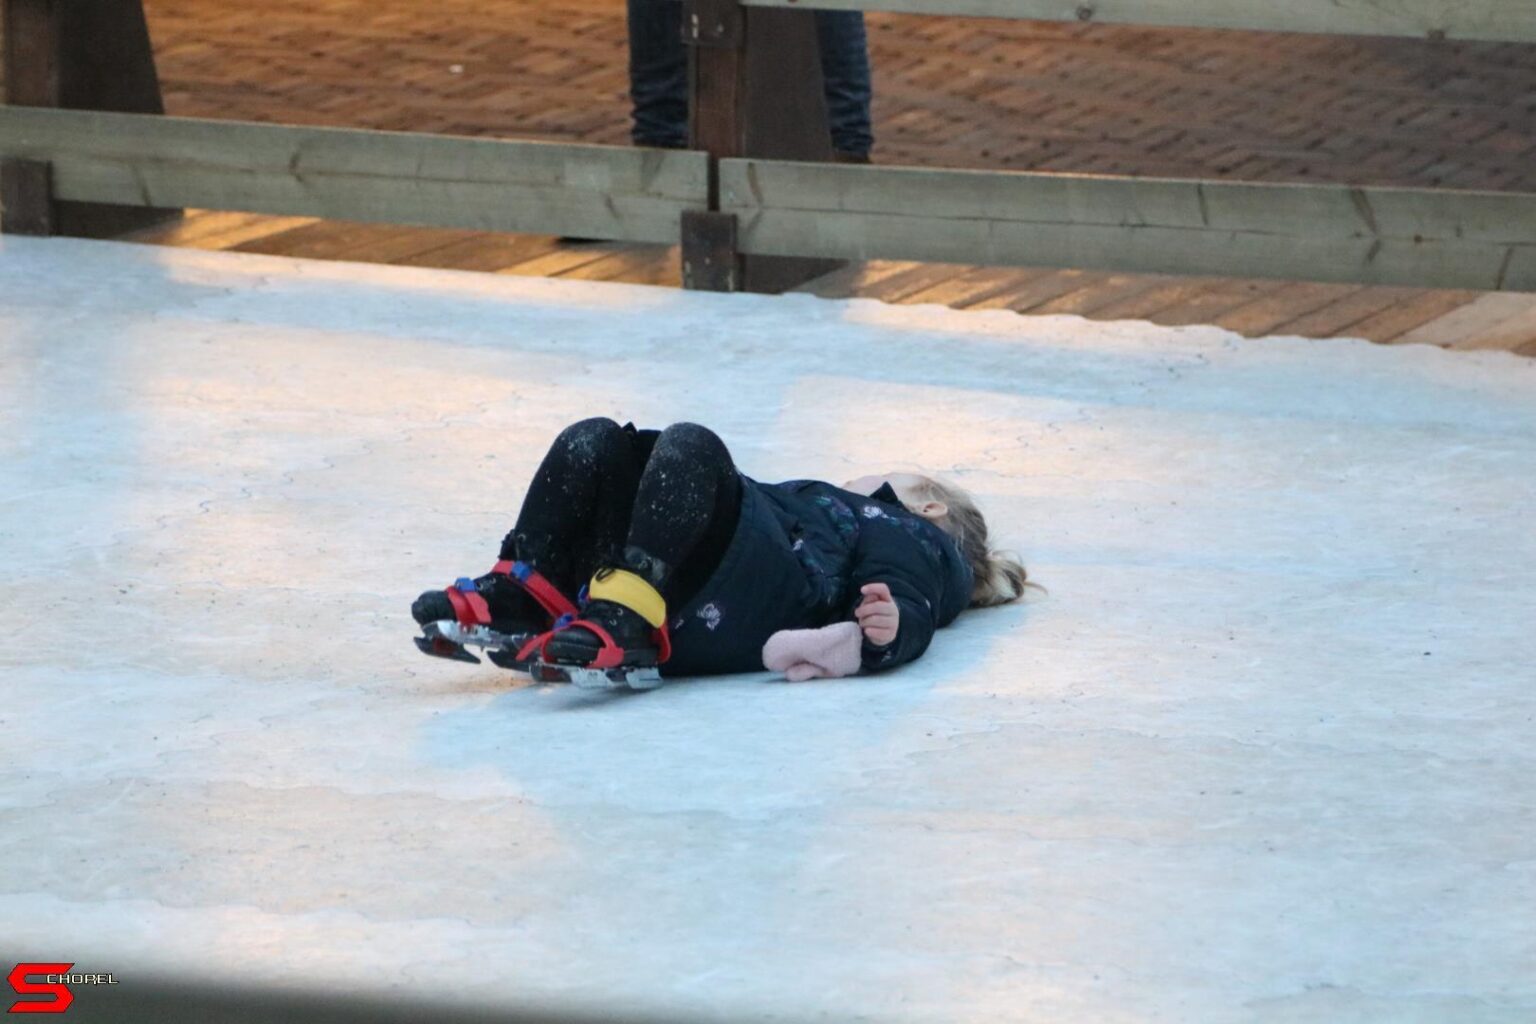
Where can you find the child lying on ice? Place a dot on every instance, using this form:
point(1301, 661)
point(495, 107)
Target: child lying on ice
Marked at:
point(692, 568)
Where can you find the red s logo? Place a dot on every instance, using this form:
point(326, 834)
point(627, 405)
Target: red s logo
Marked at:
point(60, 992)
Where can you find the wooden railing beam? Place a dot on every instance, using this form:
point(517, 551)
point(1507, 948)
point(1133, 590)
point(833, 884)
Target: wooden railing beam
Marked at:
point(78, 55)
point(616, 192)
point(1428, 238)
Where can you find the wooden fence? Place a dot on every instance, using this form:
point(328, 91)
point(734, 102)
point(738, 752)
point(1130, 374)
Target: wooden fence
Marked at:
point(755, 204)
point(1389, 236)
point(148, 160)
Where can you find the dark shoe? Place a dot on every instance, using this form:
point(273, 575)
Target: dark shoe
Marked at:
point(608, 632)
point(513, 610)
point(632, 639)
point(841, 157)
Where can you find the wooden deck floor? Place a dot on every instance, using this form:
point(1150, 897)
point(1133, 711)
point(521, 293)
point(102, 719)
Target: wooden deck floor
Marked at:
point(1453, 319)
point(948, 92)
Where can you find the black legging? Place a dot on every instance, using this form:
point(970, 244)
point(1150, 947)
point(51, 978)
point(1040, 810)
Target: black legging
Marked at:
point(664, 505)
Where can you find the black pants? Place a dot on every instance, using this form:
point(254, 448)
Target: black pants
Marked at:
point(661, 503)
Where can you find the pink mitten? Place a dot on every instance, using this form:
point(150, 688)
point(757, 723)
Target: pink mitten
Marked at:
point(823, 653)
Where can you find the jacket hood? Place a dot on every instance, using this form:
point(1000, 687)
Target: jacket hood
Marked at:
point(959, 580)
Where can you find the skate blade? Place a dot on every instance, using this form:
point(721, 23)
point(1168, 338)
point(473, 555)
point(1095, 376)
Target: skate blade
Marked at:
point(441, 647)
point(549, 674)
point(613, 678)
point(505, 658)
point(448, 639)
point(536, 670)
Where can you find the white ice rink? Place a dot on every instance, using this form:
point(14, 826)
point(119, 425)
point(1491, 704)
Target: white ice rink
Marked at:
point(1266, 752)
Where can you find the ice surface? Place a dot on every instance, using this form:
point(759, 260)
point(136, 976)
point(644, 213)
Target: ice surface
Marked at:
point(1265, 753)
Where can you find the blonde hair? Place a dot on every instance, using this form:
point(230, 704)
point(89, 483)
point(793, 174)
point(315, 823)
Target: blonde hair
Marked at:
point(1000, 577)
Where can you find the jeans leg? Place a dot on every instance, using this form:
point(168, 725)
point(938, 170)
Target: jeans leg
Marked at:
point(658, 73)
point(845, 71)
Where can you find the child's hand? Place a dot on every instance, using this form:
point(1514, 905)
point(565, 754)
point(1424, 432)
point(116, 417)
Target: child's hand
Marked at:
point(878, 614)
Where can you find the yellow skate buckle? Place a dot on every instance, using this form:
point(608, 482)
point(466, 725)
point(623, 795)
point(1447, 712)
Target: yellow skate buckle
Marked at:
point(633, 592)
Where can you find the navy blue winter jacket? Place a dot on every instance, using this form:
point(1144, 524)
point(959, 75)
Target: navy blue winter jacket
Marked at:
point(801, 552)
point(845, 540)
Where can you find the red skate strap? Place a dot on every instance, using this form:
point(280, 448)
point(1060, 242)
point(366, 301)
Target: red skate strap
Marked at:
point(543, 591)
point(469, 608)
point(664, 641)
point(533, 645)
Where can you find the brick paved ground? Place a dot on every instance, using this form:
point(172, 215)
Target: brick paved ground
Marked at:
point(949, 92)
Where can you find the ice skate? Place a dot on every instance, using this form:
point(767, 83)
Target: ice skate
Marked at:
point(502, 612)
point(618, 639)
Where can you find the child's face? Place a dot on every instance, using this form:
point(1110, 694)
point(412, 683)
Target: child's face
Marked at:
point(909, 487)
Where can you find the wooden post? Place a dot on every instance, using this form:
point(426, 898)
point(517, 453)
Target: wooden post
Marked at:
point(711, 261)
point(755, 90)
point(26, 198)
point(83, 56)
